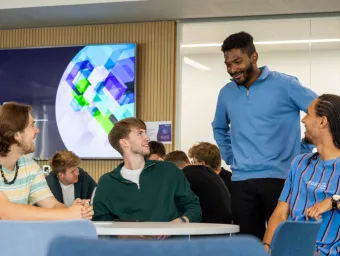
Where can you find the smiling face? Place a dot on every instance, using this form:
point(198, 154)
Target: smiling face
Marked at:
point(240, 66)
point(136, 143)
point(26, 137)
point(312, 123)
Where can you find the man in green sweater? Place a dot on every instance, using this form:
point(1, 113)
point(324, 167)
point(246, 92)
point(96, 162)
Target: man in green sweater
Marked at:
point(141, 189)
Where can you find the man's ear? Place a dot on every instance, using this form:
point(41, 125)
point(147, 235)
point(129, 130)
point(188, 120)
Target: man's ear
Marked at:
point(254, 57)
point(323, 122)
point(17, 136)
point(123, 143)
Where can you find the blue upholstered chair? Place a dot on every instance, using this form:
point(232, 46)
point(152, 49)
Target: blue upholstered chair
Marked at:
point(295, 238)
point(34, 237)
point(234, 246)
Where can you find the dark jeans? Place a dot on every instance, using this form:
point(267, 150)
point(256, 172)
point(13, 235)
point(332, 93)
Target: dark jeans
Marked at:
point(253, 202)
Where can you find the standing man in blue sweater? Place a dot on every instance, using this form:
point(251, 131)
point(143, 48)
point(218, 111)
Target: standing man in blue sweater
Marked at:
point(257, 128)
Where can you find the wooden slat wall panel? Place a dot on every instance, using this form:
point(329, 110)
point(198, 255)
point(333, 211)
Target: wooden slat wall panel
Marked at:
point(156, 60)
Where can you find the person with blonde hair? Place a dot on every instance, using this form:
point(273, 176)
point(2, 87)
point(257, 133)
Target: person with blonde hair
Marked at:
point(207, 154)
point(67, 181)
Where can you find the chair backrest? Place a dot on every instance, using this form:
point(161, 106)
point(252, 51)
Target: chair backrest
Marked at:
point(295, 238)
point(235, 246)
point(34, 237)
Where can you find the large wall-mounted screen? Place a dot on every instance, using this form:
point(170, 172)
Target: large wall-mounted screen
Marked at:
point(77, 94)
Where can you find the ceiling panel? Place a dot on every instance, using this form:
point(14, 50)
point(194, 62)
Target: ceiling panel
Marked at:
point(264, 31)
point(153, 10)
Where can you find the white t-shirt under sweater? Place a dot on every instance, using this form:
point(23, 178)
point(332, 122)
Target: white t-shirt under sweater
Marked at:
point(131, 175)
point(68, 193)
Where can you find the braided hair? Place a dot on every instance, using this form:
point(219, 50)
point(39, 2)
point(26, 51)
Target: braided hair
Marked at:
point(328, 105)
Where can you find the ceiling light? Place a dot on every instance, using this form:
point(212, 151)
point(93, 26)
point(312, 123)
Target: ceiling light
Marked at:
point(195, 64)
point(299, 41)
point(268, 42)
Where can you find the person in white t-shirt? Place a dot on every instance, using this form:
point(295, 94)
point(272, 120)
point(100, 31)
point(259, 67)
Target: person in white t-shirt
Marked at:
point(67, 181)
point(140, 189)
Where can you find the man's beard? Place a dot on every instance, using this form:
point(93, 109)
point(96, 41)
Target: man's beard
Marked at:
point(140, 151)
point(308, 140)
point(26, 149)
point(247, 73)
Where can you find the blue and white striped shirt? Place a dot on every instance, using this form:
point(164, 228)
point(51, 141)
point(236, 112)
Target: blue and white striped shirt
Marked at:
point(310, 182)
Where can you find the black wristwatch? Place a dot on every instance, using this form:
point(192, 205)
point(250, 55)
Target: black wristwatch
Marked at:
point(335, 201)
point(183, 219)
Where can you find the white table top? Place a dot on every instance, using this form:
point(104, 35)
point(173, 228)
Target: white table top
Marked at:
point(162, 228)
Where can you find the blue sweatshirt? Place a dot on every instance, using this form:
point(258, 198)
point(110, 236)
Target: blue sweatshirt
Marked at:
point(258, 130)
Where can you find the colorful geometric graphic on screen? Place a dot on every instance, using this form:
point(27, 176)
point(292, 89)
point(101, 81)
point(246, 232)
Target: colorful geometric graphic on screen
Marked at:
point(102, 80)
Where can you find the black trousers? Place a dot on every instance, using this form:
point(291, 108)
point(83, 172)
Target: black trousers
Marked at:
point(253, 202)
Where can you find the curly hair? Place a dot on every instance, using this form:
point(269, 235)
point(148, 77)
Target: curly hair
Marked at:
point(241, 40)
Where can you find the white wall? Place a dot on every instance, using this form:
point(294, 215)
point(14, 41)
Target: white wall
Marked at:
point(319, 71)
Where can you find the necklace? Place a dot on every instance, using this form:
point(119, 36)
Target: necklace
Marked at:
point(15, 176)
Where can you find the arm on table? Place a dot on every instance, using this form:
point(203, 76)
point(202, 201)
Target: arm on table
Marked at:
point(13, 211)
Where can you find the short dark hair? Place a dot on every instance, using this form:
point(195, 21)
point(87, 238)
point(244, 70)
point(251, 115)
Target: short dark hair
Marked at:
point(14, 118)
point(122, 129)
point(178, 157)
point(157, 148)
point(241, 40)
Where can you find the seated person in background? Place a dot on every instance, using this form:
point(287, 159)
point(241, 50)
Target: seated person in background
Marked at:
point(67, 181)
point(208, 154)
point(312, 187)
point(142, 189)
point(22, 181)
point(157, 151)
point(179, 158)
point(213, 194)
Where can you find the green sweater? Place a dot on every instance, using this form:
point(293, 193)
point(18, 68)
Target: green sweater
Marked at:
point(164, 195)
